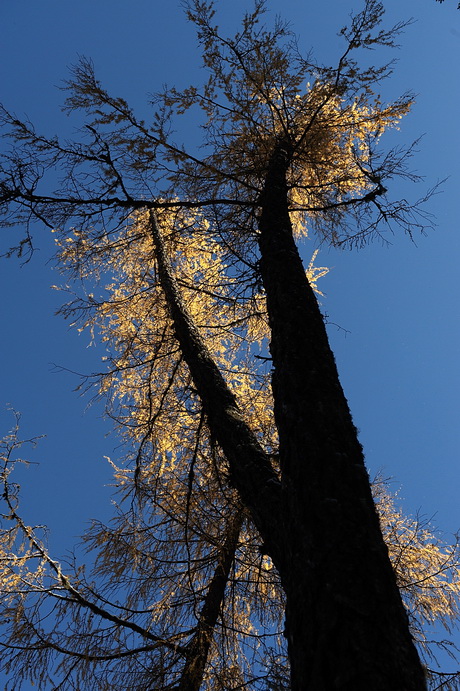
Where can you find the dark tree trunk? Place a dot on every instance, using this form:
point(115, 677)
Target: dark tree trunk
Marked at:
point(346, 626)
point(345, 622)
point(198, 647)
point(251, 471)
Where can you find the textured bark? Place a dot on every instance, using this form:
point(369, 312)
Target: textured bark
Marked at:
point(345, 622)
point(346, 625)
point(251, 470)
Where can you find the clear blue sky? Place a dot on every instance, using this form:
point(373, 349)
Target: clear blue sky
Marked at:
point(397, 305)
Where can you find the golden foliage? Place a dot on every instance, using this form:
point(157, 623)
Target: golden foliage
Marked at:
point(427, 569)
point(143, 610)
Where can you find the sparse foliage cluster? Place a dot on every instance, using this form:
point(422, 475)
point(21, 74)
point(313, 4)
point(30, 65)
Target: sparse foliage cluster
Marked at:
point(181, 257)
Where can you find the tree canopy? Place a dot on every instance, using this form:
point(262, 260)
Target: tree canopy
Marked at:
point(215, 357)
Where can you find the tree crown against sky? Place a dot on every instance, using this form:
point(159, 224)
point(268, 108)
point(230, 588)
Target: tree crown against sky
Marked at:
point(254, 94)
point(185, 511)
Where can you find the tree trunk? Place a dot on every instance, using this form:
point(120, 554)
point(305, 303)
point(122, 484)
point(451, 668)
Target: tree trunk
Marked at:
point(345, 622)
point(250, 467)
point(346, 625)
point(198, 647)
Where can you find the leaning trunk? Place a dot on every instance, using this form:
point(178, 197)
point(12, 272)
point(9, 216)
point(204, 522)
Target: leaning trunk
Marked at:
point(197, 651)
point(345, 622)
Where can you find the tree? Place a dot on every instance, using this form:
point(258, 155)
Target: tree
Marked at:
point(249, 499)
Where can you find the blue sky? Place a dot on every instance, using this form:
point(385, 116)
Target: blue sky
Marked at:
point(397, 347)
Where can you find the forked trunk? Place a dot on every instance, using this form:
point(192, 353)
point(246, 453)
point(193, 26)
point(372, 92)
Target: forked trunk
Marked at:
point(346, 626)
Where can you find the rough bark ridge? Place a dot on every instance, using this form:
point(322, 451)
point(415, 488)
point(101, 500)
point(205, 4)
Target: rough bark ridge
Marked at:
point(345, 623)
point(250, 467)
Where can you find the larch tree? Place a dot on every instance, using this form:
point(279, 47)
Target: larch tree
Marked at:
point(246, 550)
